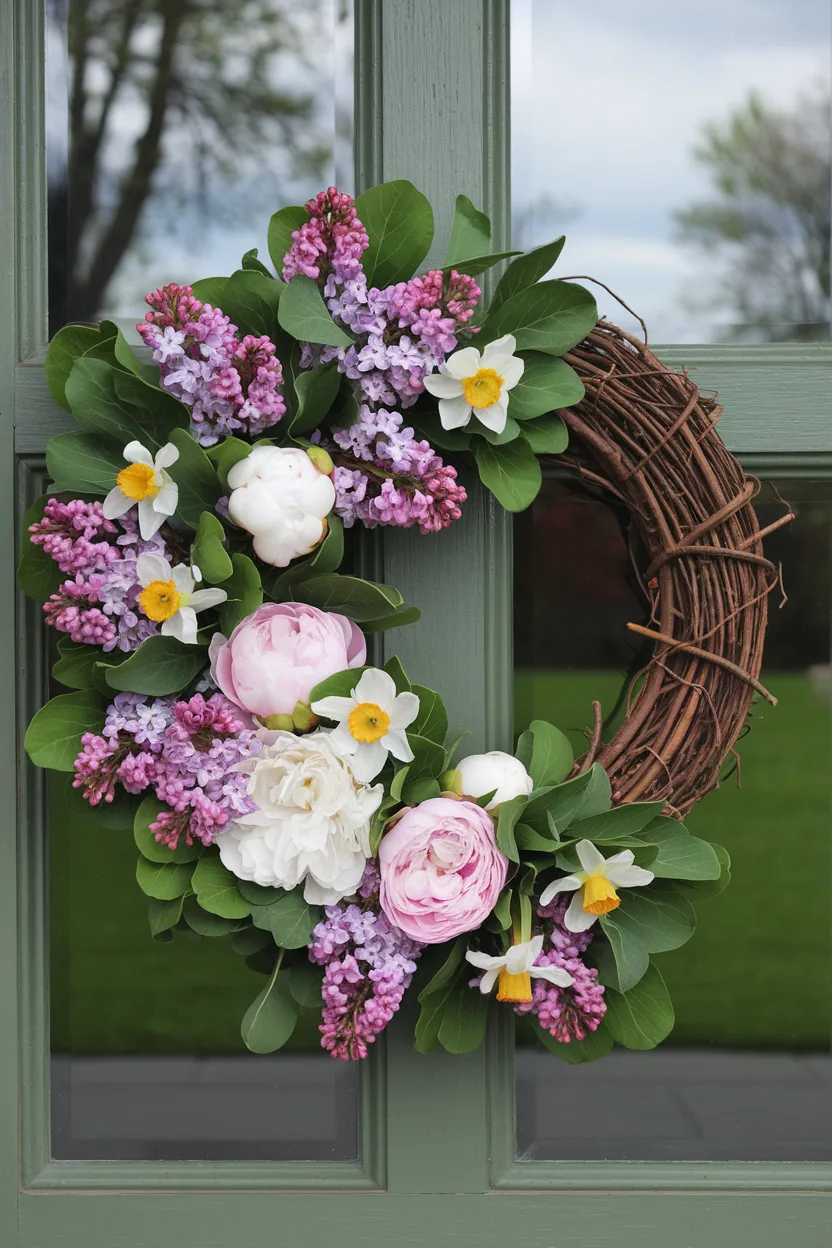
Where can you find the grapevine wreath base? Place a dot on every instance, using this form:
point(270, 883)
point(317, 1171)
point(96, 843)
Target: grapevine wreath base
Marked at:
point(283, 793)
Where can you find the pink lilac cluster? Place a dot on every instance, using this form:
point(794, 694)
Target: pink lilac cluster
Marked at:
point(98, 604)
point(331, 242)
point(566, 1013)
point(232, 386)
point(185, 751)
point(384, 475)
point(368, 968)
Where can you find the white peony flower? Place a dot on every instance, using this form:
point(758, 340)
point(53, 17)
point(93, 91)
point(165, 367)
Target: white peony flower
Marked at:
point(170, 597)
point(371, 722)
point(145, 482)
point(595, 885)
point(472, 384)
point(312, 823)
point(483, 773)
point(515, 969)
point(281, 497)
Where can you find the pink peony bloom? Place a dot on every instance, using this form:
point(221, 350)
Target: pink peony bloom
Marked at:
point(276, 656)
point(441, 870)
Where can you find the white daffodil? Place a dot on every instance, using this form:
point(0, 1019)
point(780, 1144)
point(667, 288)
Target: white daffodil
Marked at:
point(470, 383)
point(170, 598)
point(371, 722)
point(144, 481)
point(515, 970)
point(595, 885)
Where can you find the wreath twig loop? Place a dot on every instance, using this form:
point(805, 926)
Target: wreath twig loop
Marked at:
point(647, 435)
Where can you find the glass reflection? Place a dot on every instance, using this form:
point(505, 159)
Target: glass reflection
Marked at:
point(747, 1074)
point(175, 130)
point(685, 151)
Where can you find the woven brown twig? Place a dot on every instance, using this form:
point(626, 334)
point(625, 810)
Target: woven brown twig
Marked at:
point(646, 435)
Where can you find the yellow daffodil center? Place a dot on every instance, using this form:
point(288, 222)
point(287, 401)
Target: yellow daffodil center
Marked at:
point(368, 722)
point(138, 481)
point(514, 988)
point(160, 600)
point(599, 895)
point(484, 388)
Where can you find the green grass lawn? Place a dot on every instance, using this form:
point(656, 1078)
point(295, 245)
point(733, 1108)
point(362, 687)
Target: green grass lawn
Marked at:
point(756, 974)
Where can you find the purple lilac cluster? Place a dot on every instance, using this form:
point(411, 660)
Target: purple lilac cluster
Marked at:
point(566, 1013)
point(98, 603)
point(369, 965)
point(185, 751)
point(332, 241)
point(231, 385)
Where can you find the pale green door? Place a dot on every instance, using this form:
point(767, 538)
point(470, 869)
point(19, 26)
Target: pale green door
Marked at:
point(421, 1149)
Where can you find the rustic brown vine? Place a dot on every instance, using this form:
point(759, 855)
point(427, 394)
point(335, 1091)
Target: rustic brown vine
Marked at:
point(645, 435)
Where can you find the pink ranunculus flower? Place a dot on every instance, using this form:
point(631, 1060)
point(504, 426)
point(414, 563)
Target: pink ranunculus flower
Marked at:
point(276, 656)
point(441, 870)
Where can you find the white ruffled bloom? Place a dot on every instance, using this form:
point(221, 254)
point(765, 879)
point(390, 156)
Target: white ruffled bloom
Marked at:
point(473, 384)
point(312, 823)
point(371, 722)
point(518, 960)
point(279, 496)
point(170, 597)
point(595, 885)
point(145, 482)
point(483, 773)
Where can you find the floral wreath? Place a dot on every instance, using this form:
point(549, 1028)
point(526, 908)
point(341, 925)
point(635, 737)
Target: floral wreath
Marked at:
point(282, 792)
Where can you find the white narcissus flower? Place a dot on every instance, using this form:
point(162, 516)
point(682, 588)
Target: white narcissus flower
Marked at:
point(595, 885)
point(145, 482)
point(515, 969)
point(170, 598)
point(312, 822)
point(483, 773)
point(371, 722)
point(470, 383)
point(279, 496)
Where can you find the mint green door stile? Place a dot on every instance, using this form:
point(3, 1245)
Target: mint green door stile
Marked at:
point(437, 1132)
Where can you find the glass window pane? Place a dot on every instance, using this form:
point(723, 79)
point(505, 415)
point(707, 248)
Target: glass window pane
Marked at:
point(175, 130)
point(685, 152)
point(747, 1074)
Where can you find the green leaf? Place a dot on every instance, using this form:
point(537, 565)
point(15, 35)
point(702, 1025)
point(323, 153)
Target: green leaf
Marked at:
point(208, 552)
point(464, 1018)
point(154, 413)
point(399, 221)
point(305, 983)
point(393, 667)
point(216, 889)
point(420, 791)
point(53, 738)
point(523, 750)
point(712, 888)
point(339, 685)
point(511, 472)
point(470, 233)
point(508, 433)
point(316, 389)
point(660, 915)
point(431, 1017)
point(533, 842)
point(252, 301)
point(91, 394)
point(245, 593)
point(250, 940)
point(270, 1019)
point(160, 666)
point(281, 228)
point(258, 895)
point(165, 881)
point(360, 600)
point(206, 924)
point(598, 794)
point(547, 384)
point(432, 720)
point(68, 345)
point(547, 435)
point(79, 463)
point(76, 666)
point(629, 959)
point(250, 261)
point(642, 1017)
point(626, 820)
point(508, 815)
point(225, 455)
point(428, 758)
point(559, 804)
point(146, 842)
point(474, 265)
point(596, 1044)
point(289, 920)
point(210, 290)
point(407, 615)
point(551, 317)
point(502, 911)
point(37, 575)
point(193, 472)
point(685, 858)
point(526, 271)
point(551, 758)
point(126, 357)
point(303, 314)
point(163, 915)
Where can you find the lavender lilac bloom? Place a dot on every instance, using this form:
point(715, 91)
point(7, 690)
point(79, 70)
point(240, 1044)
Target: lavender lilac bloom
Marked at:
point(185, 751)
point(98, 604)
point(369, 965)
point(232, 386)
point(566, 1013)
